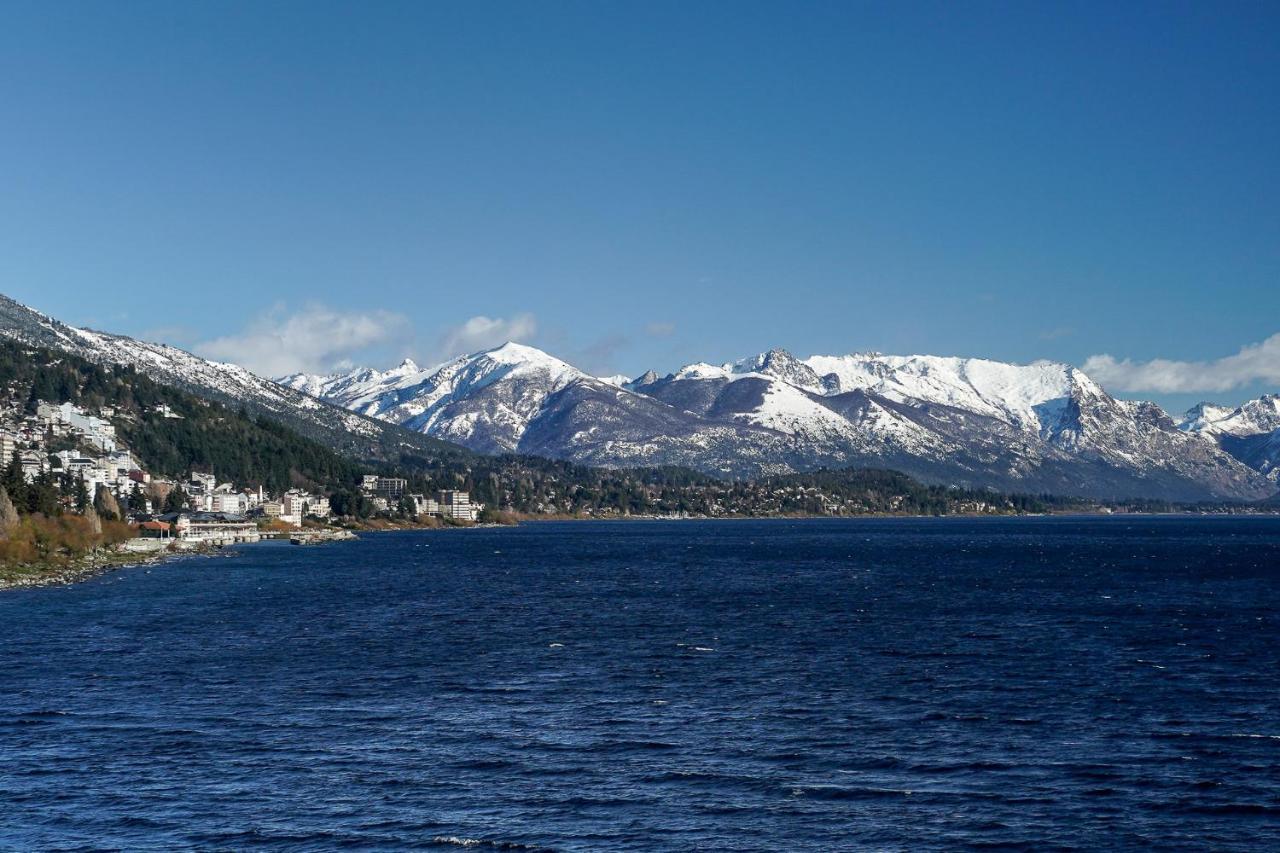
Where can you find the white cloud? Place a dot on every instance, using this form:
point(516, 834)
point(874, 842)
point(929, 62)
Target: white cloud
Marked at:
point(1253, 363)
point(481, 333)
point(314, 340)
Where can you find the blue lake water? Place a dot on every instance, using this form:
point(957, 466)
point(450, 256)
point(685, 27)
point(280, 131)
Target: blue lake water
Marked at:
point(772, 685)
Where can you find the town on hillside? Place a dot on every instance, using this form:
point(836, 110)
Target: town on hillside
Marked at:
point(72, 459)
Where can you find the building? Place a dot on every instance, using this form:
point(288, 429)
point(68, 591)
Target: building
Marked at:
point(390, 488)
point(423, 505)
point(34, 463)
point(457, 505)
point(214, 528)
point(228, 502)
point(155, 530)
point(297, 503)
point(201, 483)
point(294, 503)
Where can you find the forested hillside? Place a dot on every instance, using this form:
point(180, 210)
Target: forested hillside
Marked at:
point(173, 432)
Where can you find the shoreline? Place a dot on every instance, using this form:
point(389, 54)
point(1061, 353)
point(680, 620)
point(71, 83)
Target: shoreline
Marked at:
point(97, 564)
point(886, 515)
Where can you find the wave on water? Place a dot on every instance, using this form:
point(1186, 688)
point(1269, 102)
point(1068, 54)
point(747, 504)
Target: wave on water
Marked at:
point(480, 843)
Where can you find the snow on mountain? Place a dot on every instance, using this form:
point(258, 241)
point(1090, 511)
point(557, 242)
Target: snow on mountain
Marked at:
point(1201, 416)
point(1249, 432)
point(485, 400)
point(1252, 418)
point(227, 383)
point(1031, 396)
point(1036, 427)
point(966, 421)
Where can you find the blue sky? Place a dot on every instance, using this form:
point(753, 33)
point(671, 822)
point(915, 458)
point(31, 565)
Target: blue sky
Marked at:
point(635, 185)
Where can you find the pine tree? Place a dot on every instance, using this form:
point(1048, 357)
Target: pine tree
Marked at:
point(42, 496)
point(14, 482)
point(137, 500)
point(176, 501)
point(80, 491)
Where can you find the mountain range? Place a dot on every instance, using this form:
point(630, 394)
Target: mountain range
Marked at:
point(1044, 427)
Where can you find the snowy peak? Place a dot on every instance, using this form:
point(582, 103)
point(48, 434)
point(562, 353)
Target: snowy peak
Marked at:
point(485, 399)
point(510, 359)
point(780, 364)
point(358, 388)
point(1200, 416)
point(359, 383)
point(1040, 426)
point(1252, 418)
point(1034, 427)
point(521, 354)
point(1032, 397)
point(1250, 432)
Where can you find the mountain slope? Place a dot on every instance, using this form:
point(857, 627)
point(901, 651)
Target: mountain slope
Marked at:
point(350, 433)
point(1249, 432)
point(173, 432)
point(969, 422)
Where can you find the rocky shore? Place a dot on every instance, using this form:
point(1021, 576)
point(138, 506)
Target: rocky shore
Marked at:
point(89, 566)
point(109, 560)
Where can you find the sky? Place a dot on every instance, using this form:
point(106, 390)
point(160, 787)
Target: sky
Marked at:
point(302, 186)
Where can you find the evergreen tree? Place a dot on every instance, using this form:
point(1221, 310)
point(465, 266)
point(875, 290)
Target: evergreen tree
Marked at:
point(176, 500)
point(42, 496)
point(80, 494)
point(14, 482)
point(137, 500)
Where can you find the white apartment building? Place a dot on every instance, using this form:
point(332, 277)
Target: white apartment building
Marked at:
point(458, 505)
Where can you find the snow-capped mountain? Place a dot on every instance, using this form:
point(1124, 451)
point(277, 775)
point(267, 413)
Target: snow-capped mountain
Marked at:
point(346, 431)
point(1043, 426)
point(1250, 432)
point(1254, 417)
point(1038, 427)
point(484, 401)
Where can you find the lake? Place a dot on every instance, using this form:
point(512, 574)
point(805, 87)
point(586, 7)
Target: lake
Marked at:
point(737, 685)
